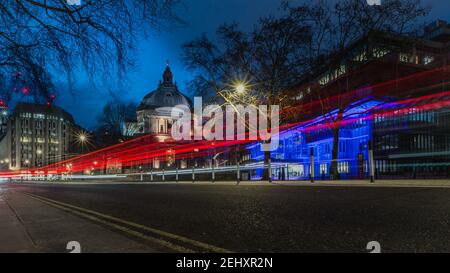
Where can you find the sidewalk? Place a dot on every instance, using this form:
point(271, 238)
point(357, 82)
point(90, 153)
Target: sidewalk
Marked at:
point(378, 183)
point(13, 236)
point(43, 228)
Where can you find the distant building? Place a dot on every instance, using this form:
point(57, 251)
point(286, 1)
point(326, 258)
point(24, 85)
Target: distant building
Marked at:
point(37, 135)
point(154, 117)
point(154, 113)
point(4, 116)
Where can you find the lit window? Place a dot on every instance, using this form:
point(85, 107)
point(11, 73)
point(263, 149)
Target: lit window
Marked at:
point(362, 57)
point(343, 167)
point(379, 52)
point(409, 58)
point(324, 80)
point(299, 96)
point(428, 60)
point(405, 58)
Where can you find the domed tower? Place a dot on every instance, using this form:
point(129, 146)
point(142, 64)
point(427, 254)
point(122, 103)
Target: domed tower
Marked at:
point(167, 77)
point(154, 113)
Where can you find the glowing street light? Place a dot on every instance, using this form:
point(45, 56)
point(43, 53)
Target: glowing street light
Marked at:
point(240, 88)
point(82, 137)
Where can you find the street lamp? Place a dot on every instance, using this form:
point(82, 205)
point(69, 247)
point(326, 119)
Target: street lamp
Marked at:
point(82, 138)
point(240, 88)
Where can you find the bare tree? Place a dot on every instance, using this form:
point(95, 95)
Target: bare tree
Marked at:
point(266, 61)
point(282, 51)
point(115, 115)
point(334, 28)
point(44, 39)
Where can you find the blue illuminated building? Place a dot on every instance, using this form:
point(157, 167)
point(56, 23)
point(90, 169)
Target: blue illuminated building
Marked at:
point(292, 161)
point(410, 142)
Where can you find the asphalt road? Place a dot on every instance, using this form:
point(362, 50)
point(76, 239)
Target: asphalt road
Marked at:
point(275, 218)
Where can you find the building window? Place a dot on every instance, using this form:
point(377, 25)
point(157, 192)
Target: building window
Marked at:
point(362, 57)
point(379, 52)
point(404, 58)
point(343, 167)
point(428, 60)
point(409, 58)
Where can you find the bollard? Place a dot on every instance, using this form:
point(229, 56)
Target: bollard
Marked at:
point(213, 174)
point(270, 169)
point(287, 173)
point(312, 164)
point(238, 173)
point(176, 174)
point(151, 175)
point(193, 174)
point(163, 175)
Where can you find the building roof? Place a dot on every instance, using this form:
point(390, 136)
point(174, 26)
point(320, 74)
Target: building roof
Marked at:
point(42, 109)
point(166, 95)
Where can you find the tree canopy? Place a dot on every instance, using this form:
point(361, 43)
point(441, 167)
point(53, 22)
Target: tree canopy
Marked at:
point(42, 39)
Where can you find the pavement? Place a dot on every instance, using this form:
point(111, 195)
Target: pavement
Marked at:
point(28, 225)
point(202, 217)
point(13, 235)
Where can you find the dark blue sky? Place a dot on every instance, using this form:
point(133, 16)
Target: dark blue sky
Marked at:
point(201, 16)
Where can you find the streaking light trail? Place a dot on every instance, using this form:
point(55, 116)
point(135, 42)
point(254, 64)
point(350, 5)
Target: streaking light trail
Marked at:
point(143, 150)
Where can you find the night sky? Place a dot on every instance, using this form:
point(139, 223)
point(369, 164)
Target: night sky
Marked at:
point(201, 16)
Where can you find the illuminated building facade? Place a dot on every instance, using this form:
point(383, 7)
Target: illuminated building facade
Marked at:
point(154, 113)
point(37, 135)
point(413, 143)
point(292, 159)
point(154, 117)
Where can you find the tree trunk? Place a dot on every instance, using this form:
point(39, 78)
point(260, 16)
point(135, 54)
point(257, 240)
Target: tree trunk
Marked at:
point(335, 150)
point(266, 174)
point(335, 154)
point(266, 161)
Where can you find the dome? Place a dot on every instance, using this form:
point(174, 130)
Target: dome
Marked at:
point(167, 95)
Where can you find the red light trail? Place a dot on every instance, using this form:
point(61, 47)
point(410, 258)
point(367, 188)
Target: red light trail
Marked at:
point(143, 150)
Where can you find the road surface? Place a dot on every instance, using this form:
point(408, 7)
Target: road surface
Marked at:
point(272, 218)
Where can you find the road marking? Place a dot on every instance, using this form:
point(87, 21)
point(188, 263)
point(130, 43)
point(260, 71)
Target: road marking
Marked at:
point(86, 213)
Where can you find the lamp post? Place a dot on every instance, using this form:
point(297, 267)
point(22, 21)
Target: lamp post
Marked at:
point(82, 138)
point(194, 162)
point(311, 159)
point(371, 162)
point(214, 160)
